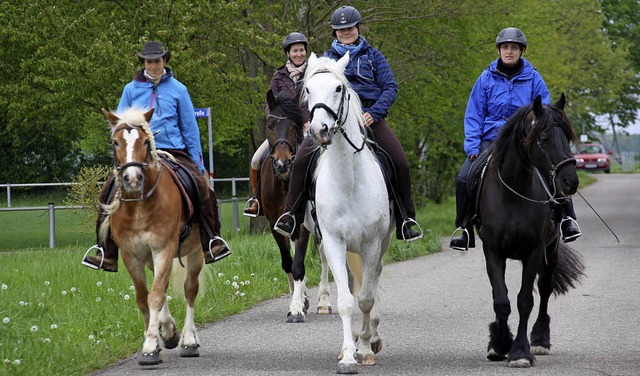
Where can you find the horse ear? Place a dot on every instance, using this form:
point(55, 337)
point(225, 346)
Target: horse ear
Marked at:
point(342, 63)
point(312, 59)
point(111, 118)
point(537, 106)
point(271, 99)
point(148, 115)
point(561, 102)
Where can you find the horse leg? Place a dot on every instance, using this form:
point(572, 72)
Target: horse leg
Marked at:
point(520, 354)
point(156, 300)
point(336, 257)
point(299, 300)
point(324, 304)
point(167, 328)
point(189, 341)
point(366, 301)
point(500, 337)
point(541, 333)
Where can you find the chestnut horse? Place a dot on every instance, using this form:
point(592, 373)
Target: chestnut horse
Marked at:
point(146, 218)
point(284, 124)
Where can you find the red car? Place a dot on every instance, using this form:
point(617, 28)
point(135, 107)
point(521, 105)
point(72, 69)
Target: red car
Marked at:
point(593, 157)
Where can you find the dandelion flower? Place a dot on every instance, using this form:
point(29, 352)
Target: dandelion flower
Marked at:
point(4, 287)
point(64, 293)
point(235, 285)
point(227, 282)
point(237, 292)
point(247, 282)
point(34, 328)
point(46, 340)
point(242, 294)
point(235, 277)
point(6, 320)
point(54, 326)
point(220, 275)
point(169, 297)
point(253, 274)
point(241, 283)
point(16, 362)
point(73, 289)
point(98, 299)
point(275, 279)
point(99, 283)
point(131, 288)
point(127, 297)
point(22, 303)
point(110, 289)
point(47, 283)
point(91, 337)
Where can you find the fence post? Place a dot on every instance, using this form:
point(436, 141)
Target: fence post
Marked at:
point(234, 200)
point(8, 195)
point(52, 225)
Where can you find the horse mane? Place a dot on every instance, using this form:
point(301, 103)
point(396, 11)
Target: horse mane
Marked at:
point(518, 133)
point(288, 107)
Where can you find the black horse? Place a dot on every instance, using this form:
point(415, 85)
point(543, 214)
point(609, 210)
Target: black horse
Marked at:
point(530, 169)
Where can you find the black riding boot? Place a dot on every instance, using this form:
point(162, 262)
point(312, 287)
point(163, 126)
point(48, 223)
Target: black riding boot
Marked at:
point(106, 257)
point(569, 228)
point(467, 239)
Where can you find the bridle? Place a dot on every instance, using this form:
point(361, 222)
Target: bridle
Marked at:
point(142, 165)
point(272, 148)
point(549, 184)
point(341, 116)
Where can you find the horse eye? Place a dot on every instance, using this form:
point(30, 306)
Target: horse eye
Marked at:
point(339, 89)
point(115, 143)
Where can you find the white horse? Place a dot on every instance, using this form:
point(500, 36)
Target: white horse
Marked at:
point(354, 212)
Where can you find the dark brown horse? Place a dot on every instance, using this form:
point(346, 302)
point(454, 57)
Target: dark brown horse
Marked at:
point(284, 124)
point(530, 169)
point(146, 218)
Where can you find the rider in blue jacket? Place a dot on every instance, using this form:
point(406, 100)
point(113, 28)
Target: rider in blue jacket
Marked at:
point(176, 131)
point(371, 78)
point(509, 83)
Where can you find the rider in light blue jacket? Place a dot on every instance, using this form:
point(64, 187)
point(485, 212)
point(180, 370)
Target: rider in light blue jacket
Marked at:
point(173, 123)
point(509, 83)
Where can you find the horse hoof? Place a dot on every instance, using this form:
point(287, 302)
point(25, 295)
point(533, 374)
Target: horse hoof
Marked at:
point(295, 318)
point(173, 342)
point(150, 359)
point(493, 356)
point(366, 360)
point(189, 351)
point(324, 310)
point(520, 363)
point(540, 350)
point(376, 346)
point(347, 368)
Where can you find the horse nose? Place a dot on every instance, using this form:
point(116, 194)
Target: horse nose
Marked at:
point(570, 184)
point(132, 179)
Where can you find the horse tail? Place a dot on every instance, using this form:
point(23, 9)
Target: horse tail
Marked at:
point(179, 276)
point(355, 265)
point(569, 270)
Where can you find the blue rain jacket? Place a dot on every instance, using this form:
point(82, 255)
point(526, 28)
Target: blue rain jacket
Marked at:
point(174, 122)
point(494, 98)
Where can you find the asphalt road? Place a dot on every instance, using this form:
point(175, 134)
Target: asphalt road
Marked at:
point(436, 310)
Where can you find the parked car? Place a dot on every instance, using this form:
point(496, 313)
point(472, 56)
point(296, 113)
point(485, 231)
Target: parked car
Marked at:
point(592, 157)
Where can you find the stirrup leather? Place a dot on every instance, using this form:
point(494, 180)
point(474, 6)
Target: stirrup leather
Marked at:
point(465, 231)
point(248, 205)
point(281, 232)
point(574, 236)
point(405, 225)
point(90, 265)
point(220, 256)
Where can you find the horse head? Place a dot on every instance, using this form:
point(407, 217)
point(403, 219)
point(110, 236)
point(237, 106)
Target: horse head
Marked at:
point(133, 148)
point(549, 138)
point(284, 125)
point(331, 100)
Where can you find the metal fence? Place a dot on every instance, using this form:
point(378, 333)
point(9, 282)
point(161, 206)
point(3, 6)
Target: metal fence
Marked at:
point(51, 207)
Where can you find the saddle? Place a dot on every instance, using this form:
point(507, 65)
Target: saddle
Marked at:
point(474, 184)
point(186, 182)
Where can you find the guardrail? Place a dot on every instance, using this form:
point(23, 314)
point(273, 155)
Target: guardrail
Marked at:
point(51, 207)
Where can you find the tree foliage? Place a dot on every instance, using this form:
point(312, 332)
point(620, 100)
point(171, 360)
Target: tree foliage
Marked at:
point(63, 60)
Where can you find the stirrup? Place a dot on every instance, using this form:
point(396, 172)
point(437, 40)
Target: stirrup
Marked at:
point(462, 230)
point(222, 255)
point(282, 232)
point(248, 204)
point(412, 222)
point(571, 237)
point(90, 265)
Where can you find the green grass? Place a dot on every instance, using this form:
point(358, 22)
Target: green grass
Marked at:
point(58, 317)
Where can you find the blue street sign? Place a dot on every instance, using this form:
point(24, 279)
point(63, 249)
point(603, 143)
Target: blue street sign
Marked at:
point(201, 112)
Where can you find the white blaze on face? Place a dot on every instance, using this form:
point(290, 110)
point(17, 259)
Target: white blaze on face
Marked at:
point(130, 137)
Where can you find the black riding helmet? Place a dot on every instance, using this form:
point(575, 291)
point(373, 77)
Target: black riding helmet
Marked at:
point(294, 38)
point(513, 35)
point(345, 17)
